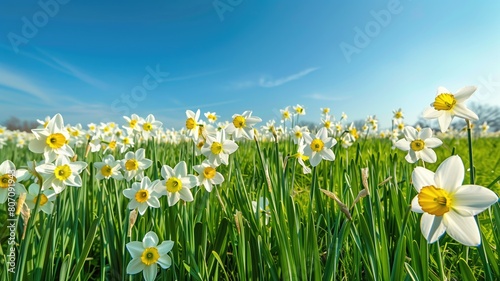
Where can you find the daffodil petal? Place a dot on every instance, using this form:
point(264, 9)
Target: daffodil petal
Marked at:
point(165, 261)
point(462, 111)
point(432, 142)
point(165, 247)
point(150, 239)
point(464, 93)
point(402, 144)
point(135, 248)
point(432, 227)
point(410, 133)
point(463, 229)
point(425, 133)
point(422, 177)
point(150, 272)
point(444, 121)
point(428, 155)
point(470, 200)
point(135, 266)
point(450, 174)
point(442, 90)
point(431, 113)
point(411, 157)
point(415, 206)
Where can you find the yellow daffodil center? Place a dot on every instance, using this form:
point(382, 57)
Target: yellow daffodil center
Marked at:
point(327, 124)
point(298, 134)
point(216, 147)
point(190, 123)
point(299, 110)
point(317, 145)
point(433, 200)
point(6, 180)
point(212, 117)
point(43, 199)
point(354, 133)
point(112, 145)
point(131, 165)
point(174, 185)
point(142, 195)
point(417, 145)
point(106, 170)
point(56, 140)
point(286, 115)
point(401, 126)
point(398, 115)
point(326, 110)
point(209, 172)
point(150, 256)
point(200, 144)
point(132, 123)
point(75, 133)
point(62, 172)
point(239, 122)
point(126, 141)
point(444, 102)
point(147, 126)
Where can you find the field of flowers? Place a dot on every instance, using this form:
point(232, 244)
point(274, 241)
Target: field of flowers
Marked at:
point(243, 199)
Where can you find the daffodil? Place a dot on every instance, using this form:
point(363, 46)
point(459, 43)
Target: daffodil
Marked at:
point(208, 175)
point(150, 126)
point(447, 205)
point(398, 114)
point(133, 123)
point(134, 164)
point(447, 105)
point(211, 116)
point(218, 148)
point(45, 199)
point(301, 157)
point(285, 114)
point(142, 195)
point(319, 147)
point(192, 121)
point(242, 126)
point(147, 254)
point(177, 183)
point(62, 173)
point(419, 145)
point(298, 133)
point(299, 110)
point(10, 178)
point(108, 168)
point(52, 140)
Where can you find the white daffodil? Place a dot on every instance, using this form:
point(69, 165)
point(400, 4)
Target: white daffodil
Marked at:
point(149, 126)
point(447, 105)
point(133, 123)
point(211, 116)
point(108, 168)
point(298, 134)
point(177, 183)
point(208, 175)
point(285, 114)
point(419, 145)
point(192, 121)
point(242, 126)
point(299, 110)
point(52, 140)
point(318, 147)
point(9, 179)
point(46, 197)
point(301, 157)
point(146, 254)
point(61, 174)
point(134, 164)
point(398, 114)
point(142, 195)
point(447, 205)
point(218, 148)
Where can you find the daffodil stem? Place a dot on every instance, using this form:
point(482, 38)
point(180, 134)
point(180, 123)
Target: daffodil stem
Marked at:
point(480, 248)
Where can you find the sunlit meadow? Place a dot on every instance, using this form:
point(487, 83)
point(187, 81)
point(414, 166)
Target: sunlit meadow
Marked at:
point(240, 198)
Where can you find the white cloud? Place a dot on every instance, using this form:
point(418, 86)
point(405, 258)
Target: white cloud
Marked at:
point(268, 83)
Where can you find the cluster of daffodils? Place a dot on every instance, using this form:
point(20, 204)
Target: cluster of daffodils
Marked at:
point(445, 203)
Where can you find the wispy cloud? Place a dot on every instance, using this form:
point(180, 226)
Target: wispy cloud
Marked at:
point(323, 97)
point(269, 82)
point(16, 82)
point(192, 76)
point(70, 69)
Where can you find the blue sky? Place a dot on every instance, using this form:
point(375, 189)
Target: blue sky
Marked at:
point(83, 59)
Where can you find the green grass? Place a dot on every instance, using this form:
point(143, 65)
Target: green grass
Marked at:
point(219, 237)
